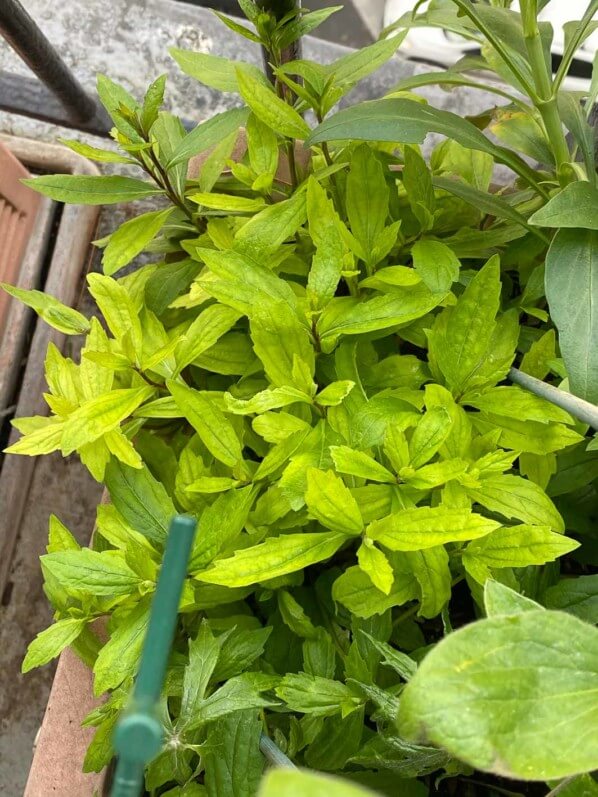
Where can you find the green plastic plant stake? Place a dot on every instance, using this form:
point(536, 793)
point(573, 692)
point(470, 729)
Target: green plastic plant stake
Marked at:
point(138, 735)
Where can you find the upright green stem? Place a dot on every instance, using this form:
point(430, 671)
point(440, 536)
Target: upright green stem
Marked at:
point(547, 101)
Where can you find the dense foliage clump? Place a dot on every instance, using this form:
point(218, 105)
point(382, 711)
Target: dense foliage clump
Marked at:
point(316, 368)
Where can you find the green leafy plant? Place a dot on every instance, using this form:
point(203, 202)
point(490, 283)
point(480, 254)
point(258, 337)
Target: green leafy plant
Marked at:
point(315, 367)
point(531, 121)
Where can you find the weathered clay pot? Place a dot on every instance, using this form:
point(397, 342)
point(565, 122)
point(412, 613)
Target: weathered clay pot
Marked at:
point(69, 260)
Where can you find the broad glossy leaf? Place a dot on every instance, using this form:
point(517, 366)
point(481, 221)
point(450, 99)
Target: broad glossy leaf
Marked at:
point(523, 133)
point(94, 153)
point(78, 189)
point(303, 24)
point(425, 527)
point(167, 133)
point(573, 114)
point(239, 651)
point(203, 657)
point(528, 436)
point(429, 435)
point(464, 696)
point(294, 615)
point(417, 182)
point(354, 66)
point(400, 662)
point(275, 557)
point(500, 599)
point(338, 740)
point(334, 393)
point(228, 202)
point(167, 282)
point(238, 694)
point(44, 440)
point(219, 525)
point(514, 402)
point(262, 235)
point(119, 312)
point(252, 282)
point(572, 293)
point(345, 316)
point(488, 203)
point(282, 342)
point(266, 400)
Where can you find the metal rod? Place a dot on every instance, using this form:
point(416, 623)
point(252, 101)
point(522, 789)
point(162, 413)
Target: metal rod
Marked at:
point(580, 409)
point(139, 733)
point(274, 754)
point(21, 32)
point(28, 96)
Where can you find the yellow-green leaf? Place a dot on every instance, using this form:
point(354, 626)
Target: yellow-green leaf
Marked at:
point(100, 415)
point(275, 557)
point(425, 527)
point(53, 312)
point(272, 111)
point(131, 238)
point(50, 642)
point(215, 430)
point(330, 502)
point(373, 562)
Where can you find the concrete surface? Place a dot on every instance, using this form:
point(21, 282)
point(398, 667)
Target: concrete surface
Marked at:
point(127, 40)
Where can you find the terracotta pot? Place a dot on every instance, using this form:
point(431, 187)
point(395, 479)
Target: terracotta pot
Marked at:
point(61, 744)
point(68, 262)
point(18, 209)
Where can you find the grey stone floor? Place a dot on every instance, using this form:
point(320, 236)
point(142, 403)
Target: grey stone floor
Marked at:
point(127, 40)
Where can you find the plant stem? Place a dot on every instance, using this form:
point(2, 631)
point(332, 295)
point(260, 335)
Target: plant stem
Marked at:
point(405, 615)
point(546, 102)
point(292, 163)
point(164, 181)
